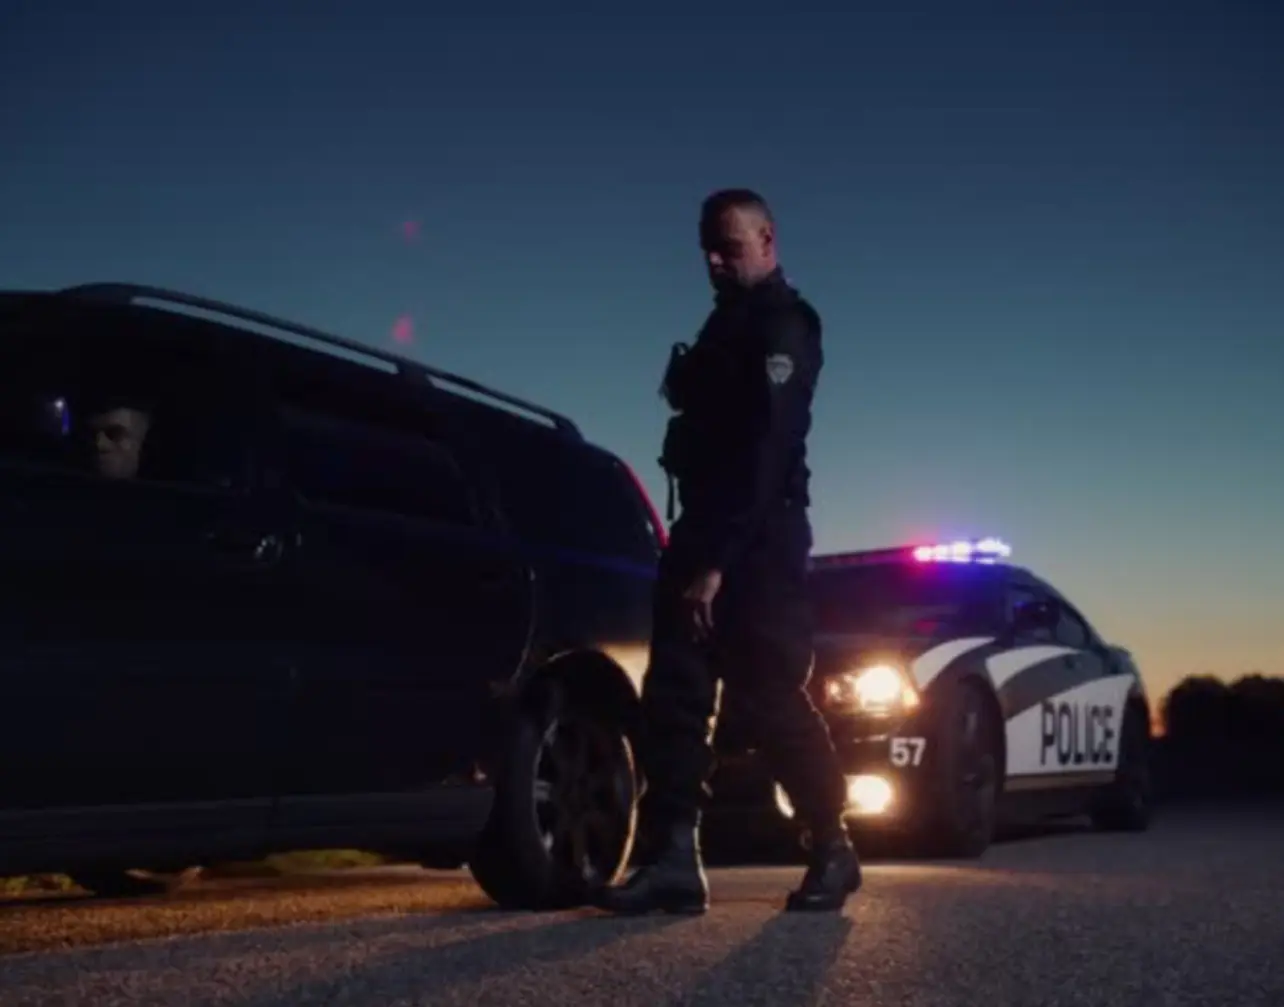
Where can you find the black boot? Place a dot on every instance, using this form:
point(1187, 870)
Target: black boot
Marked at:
point(833, 873)
point(673, 881)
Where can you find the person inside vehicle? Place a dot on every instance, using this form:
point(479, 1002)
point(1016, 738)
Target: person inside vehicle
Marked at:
point(118, 431)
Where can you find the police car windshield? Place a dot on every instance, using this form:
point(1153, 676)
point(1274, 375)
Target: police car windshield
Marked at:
point(905, 599)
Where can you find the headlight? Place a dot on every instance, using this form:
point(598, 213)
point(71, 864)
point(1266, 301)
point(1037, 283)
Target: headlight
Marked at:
point(880, 688)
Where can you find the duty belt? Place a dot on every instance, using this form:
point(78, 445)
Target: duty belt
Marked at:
point(789, 502)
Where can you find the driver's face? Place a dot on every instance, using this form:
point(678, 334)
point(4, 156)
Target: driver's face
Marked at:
point(118, 436)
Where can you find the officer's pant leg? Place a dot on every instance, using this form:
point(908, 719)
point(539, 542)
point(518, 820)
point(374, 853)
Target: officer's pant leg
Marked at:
point(679, 698)
point(768, 664)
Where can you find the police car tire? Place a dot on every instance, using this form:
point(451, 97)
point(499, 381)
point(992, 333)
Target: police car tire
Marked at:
point(961, 821)
point(1124, 805)
point(510, 862)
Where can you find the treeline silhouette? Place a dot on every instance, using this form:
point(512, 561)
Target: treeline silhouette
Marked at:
point(1221, 739)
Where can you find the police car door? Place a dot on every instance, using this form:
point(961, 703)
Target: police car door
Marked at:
point(1062, 712)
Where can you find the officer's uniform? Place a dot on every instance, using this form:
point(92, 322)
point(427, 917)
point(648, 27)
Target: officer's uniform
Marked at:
point(736, 450)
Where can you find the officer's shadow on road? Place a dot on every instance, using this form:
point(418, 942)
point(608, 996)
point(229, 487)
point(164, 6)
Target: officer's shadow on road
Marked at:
point(791, 956)
point(418, 974)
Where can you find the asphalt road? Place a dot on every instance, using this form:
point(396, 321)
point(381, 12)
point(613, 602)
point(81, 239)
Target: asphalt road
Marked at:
point(1192, 913)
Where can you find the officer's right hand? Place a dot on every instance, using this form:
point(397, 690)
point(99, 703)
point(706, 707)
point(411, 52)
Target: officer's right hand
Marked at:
point(699, 597)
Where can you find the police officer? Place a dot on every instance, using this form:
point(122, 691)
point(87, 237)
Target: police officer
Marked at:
point(731, 604)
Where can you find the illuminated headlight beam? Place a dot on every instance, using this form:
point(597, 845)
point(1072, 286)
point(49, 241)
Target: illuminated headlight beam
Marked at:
point(876, 688)
point(869, 795)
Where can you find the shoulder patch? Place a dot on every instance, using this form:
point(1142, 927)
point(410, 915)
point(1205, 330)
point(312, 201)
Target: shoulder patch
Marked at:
point(780, 368)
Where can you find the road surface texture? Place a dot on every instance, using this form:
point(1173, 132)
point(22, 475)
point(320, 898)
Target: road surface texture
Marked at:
point(1192, 913)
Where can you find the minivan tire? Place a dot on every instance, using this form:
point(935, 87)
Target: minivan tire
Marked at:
point(564, 817)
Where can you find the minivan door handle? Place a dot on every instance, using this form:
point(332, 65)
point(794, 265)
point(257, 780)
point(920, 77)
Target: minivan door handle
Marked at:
point(504, 578)
point(264, 549)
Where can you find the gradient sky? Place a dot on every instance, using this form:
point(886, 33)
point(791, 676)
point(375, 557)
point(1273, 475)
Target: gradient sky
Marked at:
point(1048, 246)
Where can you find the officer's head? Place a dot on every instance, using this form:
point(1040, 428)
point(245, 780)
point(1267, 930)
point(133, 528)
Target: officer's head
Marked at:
point(738, 238)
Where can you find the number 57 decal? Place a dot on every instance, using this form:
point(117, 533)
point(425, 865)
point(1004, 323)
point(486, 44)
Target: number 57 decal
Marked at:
point(907, 751)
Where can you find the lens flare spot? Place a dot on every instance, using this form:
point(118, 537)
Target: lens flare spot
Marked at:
point(410, 230)
point(403, 329)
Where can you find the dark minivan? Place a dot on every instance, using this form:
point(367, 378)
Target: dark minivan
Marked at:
point(267, 589)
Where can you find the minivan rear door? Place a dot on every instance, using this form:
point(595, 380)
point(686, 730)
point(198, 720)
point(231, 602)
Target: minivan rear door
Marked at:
point(407, 617)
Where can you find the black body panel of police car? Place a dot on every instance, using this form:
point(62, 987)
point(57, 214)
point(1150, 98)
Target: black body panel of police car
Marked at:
point(962, 693)
point(346, 600)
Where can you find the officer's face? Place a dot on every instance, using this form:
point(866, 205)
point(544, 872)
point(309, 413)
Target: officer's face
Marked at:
point(739, 248)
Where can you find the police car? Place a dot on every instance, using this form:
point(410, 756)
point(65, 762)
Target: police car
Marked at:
point(963, 692)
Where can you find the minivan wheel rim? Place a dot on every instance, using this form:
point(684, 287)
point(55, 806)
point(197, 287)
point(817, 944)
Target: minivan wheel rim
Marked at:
point(583, 797)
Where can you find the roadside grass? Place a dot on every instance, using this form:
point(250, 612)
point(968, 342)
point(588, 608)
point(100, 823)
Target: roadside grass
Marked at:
point(276, 865)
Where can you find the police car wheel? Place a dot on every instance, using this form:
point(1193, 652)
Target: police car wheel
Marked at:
point(565, 812)
point(962, 822)
point(1125, 804)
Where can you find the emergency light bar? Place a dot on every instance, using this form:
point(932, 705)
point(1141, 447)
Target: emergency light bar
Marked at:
point(985, 550)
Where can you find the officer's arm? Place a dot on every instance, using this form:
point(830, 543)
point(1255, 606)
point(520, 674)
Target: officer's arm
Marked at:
point(787, 372)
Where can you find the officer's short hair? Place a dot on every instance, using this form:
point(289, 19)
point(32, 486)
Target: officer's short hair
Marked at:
point(734, 199)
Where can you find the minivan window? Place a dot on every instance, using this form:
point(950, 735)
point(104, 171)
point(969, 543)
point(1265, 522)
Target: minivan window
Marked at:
point(350, 463)
point(126, 404)
point(561, 493)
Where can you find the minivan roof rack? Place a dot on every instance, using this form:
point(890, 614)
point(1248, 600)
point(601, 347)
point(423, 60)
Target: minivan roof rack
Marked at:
point(127, 293)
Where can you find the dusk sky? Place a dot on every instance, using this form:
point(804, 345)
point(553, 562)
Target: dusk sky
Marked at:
point(1048, 247)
